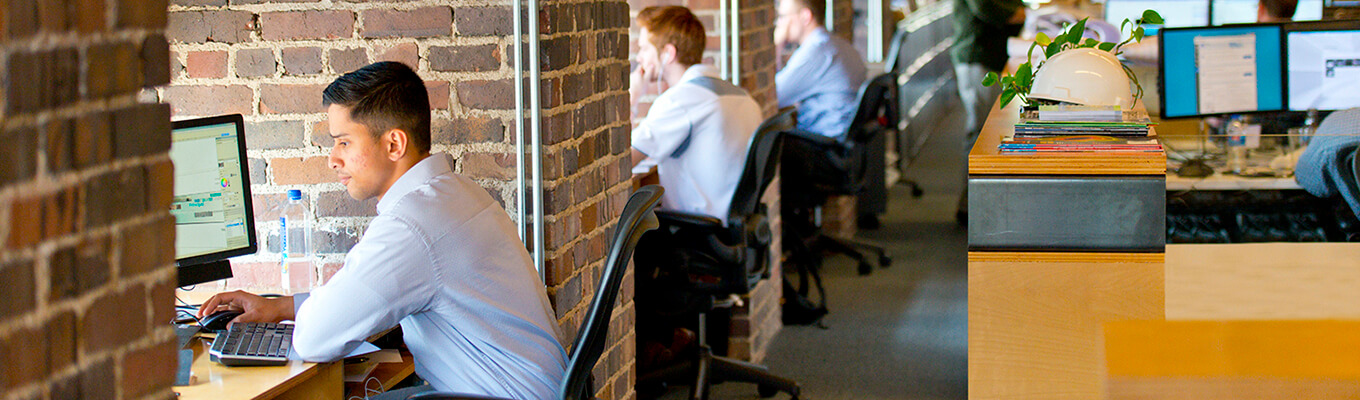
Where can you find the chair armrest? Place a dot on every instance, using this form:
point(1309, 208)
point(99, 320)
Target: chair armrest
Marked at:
point(684, 219)
point(450, 396)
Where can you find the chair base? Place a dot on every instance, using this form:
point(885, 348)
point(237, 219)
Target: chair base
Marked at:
point(708, 369)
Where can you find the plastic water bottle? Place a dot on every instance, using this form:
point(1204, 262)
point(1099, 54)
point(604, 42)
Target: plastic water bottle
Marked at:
point(295, 231)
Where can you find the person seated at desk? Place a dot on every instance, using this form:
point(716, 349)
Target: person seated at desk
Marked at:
point(823, 76)
point(441, 258)
point(699, 127)
point(1325, 169)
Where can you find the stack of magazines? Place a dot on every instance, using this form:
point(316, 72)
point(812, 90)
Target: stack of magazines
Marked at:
point(1068, 128)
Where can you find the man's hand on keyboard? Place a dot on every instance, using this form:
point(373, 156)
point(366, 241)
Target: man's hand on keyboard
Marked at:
point(255, 308)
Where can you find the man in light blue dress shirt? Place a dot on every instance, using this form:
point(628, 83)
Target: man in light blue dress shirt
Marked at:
point(441, 259)
point(823, 76)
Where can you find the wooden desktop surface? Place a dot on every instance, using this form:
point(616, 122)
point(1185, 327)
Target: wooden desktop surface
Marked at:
point(296, 380)
point(986, 159)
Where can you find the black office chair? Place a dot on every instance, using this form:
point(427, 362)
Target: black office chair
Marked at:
point(828, 167)
point(638, 217)
point(696, 263)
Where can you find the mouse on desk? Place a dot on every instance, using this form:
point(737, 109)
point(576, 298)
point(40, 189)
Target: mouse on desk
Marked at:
point(1194, 168)
point(218, 321)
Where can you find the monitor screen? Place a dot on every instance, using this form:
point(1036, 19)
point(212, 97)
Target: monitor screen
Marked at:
point(1221, 70)
point(1324, 65)
point(211, 203)
point(1244, 11)
point(1176, 13)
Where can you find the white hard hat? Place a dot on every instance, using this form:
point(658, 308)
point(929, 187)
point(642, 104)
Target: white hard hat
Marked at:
point(1084, 76)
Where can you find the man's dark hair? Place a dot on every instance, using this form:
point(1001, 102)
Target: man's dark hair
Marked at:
point(818, 8)
point(1280, 8)
point(383, 96)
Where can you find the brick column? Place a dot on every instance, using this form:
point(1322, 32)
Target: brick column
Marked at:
point(843, 19)
point(586, 171)
point(86, 236)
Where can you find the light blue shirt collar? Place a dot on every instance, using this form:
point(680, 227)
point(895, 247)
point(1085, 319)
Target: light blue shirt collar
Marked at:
point(818, 35)
point(697, 71)
point(430, 167)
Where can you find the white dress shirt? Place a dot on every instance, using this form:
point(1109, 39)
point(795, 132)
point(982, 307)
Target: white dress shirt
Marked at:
point(443, 260)
point(698, 132)
point(822, 78)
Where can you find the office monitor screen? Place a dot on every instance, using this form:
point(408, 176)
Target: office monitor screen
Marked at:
point(211, 203)
point(1324, 69)
point(1176, 13)
point(1221, 70)
point(1244, 11)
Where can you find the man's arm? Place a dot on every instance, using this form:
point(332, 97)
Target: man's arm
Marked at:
point(386, 277)
point(796, 79)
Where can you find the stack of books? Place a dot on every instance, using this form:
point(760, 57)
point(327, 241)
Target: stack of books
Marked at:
point(1067, 128)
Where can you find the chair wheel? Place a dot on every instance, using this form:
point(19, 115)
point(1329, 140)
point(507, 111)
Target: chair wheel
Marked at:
point(766, 391)
point(865, 268)
point(884, 261)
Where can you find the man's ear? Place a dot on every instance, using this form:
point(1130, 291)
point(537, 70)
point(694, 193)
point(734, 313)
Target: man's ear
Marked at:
point(668, 54)
point(805, 15)
point(396, 142)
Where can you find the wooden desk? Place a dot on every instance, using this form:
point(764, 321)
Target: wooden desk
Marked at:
point(1059, 244)
point(297, 380)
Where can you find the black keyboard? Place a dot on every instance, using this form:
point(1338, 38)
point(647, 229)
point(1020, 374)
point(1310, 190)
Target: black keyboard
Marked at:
point(253, 343)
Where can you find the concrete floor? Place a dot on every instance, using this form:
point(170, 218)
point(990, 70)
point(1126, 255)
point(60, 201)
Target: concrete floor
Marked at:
point(900, 333)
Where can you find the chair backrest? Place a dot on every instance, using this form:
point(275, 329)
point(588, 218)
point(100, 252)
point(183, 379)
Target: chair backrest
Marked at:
point(761, 159)
point(877, 98)
point(637, 218)
point(895, 54)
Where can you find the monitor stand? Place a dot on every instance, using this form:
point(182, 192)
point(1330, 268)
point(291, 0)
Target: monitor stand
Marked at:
point(206, 272)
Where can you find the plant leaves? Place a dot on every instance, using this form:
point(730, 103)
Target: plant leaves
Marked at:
point(1006, 97)
point(1090, 43)
point(1107, 46)
point(1023, 76)
point(1053, 48)
point(990, 79)
point(1152, 17)
point(1075, 32)
point(1138, 34)
point(1042, 39)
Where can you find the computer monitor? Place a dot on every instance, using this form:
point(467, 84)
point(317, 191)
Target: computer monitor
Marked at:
point(1175, 13)
point(1244, 11)
point(1221, 70)
point(1324, 65)
point(213, 216)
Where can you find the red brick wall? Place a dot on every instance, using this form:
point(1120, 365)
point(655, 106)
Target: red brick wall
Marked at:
point(85, 231)
point(843, 19)
point(586, 170)
point(270, 60)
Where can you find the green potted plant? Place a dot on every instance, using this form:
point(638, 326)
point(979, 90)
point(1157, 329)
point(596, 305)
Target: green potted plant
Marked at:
point(1071, 41)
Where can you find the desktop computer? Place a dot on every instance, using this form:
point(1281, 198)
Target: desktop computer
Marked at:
point(1323, 71)
point(1175, 13)
point(1220, 70)
point(1226, 12)
point(214, 220)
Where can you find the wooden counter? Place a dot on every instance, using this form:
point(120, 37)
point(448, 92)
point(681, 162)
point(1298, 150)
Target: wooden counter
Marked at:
point(296, 380)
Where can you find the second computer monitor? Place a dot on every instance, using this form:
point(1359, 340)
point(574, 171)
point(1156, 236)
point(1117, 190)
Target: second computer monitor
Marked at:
point(1221, 70)
point(1245, 11)
point(1324, 65)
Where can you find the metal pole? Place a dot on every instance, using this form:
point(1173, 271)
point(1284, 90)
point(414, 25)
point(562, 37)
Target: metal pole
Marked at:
point(519, 120)
point(536, 143)
point(735, 48)
point(876, 32)
point(724, 70)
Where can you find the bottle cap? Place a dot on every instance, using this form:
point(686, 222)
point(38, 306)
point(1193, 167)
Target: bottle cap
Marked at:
point(294, 194)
